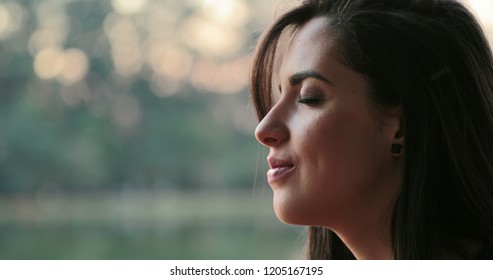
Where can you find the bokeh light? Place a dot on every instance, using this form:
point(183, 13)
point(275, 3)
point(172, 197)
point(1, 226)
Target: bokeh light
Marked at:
point(48, 63)
point(235, 13)
point(211, 38)
point(170, 61)
point(11, 18)
point(128, 6)
point(67, 66)
point(484, 10)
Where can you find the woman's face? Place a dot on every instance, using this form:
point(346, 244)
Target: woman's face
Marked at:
point(330, 158)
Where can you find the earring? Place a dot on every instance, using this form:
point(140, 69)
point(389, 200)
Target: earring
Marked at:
point(396, 149)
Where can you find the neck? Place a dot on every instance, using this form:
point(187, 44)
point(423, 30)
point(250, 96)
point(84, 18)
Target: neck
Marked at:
point(370, 242)
point(367, 231)
point(366, 227)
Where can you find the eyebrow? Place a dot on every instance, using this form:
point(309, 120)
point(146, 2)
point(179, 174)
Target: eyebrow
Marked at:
point(299, 77)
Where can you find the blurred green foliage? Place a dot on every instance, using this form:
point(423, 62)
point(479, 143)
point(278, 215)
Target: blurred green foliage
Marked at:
point(187, 140)
point(102, 100)
point(143, 225)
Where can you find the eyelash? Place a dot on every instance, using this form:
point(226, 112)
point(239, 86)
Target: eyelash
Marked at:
point(309, 100)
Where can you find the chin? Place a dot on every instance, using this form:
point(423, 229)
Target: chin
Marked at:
point(290, 209)
point(290, 213)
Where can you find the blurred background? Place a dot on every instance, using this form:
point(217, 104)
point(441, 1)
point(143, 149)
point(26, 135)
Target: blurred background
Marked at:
point(126, 131)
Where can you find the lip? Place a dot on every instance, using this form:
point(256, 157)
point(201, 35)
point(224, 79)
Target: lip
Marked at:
point(279, 169)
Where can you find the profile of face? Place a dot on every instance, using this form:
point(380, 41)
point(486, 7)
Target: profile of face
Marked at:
point(330, 156)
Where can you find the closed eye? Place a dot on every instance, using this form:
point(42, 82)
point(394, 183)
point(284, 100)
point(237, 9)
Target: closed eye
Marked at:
point(309, 100)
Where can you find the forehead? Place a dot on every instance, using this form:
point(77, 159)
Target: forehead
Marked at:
point(310, 47)
point(314, 31)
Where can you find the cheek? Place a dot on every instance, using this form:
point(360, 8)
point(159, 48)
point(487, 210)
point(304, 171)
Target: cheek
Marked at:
point(340, 153)
point(331, 141)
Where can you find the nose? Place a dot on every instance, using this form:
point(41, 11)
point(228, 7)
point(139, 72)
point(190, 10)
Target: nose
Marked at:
point(272, 131)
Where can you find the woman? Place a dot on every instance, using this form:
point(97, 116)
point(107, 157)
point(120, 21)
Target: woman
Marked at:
point(378, 115)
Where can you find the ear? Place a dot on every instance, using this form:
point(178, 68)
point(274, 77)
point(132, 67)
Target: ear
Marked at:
point(394, 122)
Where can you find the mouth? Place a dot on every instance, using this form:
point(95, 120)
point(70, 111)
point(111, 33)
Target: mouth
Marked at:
point(279, 170)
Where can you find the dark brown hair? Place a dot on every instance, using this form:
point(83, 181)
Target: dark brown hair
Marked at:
point(431, 58)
